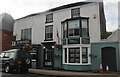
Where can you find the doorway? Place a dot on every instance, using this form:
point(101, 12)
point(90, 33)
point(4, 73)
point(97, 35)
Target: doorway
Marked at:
point(109, 58)
point(48, 58)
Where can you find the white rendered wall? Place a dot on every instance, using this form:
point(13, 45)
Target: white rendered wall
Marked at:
point(37, 23)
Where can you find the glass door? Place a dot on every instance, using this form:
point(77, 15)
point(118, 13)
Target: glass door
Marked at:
point(48, 58)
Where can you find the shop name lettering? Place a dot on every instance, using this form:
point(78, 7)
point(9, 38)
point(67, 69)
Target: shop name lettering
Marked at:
point(22, 42)
point(73, 41)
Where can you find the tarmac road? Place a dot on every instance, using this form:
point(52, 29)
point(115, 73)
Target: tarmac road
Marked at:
point(22, 75)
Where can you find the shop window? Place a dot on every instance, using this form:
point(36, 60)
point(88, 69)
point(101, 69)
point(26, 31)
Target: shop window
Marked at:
point(84, 55)
point(26, 34)
point(74, 55)
point(77, 55)
point(75, 12)
point(49, 32)
point(49, 18)
point(65, 55)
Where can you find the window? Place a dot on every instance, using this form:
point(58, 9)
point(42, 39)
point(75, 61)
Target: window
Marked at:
point(65, 55)
point(75, 31)
point(75, 12)
point(49, 18)
point(85, 28)
point(64, 30)
point(49, 32)
point(84, 55)
point(26, 34)
point(73, 28)
point(76, 55)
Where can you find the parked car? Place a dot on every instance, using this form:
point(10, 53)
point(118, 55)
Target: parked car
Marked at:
point(15, 60)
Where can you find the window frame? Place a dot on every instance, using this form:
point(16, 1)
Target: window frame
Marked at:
point(49, 18)
point(81, 63)
point(72, 13)
point(23, 34)
point(50, 32)
point(67, 37)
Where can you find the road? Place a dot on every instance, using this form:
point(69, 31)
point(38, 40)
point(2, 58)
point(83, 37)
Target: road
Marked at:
point(22, 75)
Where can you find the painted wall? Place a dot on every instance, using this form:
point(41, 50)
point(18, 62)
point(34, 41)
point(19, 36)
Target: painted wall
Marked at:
point(37, 23)
point(77, 67)
point(114, 36)
point(96, 50)
point(57, 58)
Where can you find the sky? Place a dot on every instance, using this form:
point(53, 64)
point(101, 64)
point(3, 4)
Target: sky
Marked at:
point(21, 8)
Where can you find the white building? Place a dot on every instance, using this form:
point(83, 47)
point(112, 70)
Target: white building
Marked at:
point(73, 26)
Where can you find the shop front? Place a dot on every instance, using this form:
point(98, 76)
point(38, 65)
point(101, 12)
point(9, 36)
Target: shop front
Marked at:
point(50, 56)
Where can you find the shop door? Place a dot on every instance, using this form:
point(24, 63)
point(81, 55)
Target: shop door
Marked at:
point(48, 58)
point(109, 58)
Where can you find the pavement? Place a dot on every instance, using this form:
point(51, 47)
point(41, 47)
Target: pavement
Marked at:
point(63, 73)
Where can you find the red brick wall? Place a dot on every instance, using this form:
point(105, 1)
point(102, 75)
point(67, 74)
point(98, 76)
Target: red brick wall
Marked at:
point(6, 40)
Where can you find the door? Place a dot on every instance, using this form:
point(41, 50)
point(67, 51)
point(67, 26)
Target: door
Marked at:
point(109, 58)
point(48, 58)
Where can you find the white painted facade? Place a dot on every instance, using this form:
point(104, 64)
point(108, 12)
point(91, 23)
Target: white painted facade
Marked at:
point(37, 23)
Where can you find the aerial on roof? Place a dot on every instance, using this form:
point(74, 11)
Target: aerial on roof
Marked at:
point(59, 8)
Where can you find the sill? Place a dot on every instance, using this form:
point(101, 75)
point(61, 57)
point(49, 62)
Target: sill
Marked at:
point(48, 40)
point(49, 22)
point(77, 64)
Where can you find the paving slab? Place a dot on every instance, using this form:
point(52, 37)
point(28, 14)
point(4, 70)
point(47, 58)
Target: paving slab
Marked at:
point(60, 73)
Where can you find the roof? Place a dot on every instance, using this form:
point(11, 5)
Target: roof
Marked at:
point(59, 8)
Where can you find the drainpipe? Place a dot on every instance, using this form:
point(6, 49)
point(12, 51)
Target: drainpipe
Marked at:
point(118, 49)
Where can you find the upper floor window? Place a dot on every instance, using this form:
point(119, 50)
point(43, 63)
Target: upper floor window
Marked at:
point(73, 28)
point(49, 32)
point(49, 18)
point(75, 12)
point(85, 30)
point(26, 34)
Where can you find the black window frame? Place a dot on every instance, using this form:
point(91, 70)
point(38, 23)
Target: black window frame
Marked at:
point(49, 39)
point(72, 12)
point(74, 55)
point(23, 32)
point(49, 18)
point(80, 30)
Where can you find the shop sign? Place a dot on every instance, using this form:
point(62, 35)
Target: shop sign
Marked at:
point(21, 42)
point(74, 41)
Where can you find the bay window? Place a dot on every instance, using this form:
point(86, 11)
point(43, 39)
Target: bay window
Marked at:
point(75, 31)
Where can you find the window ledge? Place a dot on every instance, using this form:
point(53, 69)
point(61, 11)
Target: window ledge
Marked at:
point(48, 40)
point(76, 64)
point(48, 22)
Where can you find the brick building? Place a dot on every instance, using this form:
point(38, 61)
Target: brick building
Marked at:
point(6, 30)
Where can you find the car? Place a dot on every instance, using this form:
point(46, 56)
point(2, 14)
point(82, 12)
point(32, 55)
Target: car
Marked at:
point(15, 60)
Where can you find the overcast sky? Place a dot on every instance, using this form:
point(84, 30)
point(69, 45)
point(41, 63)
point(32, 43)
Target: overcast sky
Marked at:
point(21, 8)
